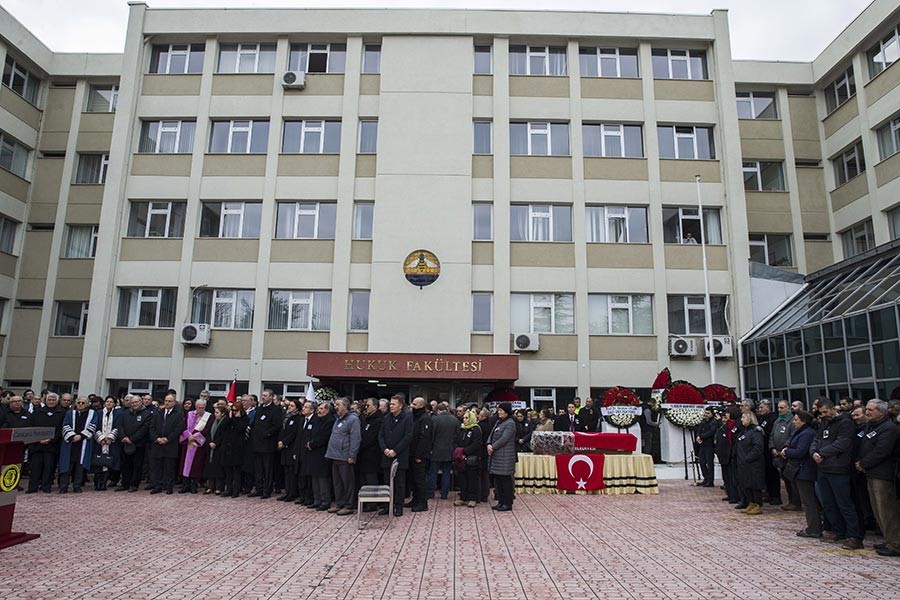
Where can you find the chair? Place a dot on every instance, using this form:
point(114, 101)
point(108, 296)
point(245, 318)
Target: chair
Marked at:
point(377, 494)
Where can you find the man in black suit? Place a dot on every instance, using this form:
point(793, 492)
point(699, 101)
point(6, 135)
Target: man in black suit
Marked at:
point(165, 430)
point(589, 415)
point(569, 421)
point(264, 443)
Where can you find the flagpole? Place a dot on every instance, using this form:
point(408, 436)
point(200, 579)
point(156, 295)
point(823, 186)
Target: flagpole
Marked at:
point(706, 300)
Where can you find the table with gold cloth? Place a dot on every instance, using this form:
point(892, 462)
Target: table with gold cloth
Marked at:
point(622, 474)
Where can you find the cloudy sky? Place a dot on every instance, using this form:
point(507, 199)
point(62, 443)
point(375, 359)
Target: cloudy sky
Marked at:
point(760, 29)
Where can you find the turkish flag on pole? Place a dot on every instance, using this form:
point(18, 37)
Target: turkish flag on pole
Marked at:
point(232, 392)
point(579, 471)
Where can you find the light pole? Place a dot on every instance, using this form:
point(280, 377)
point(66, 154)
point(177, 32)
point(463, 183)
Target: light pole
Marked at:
point(706, 301)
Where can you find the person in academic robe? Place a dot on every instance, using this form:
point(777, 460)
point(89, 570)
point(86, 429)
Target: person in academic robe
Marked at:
point(213, 471)
point(194, 446)
point(77, 447)
point(44, 453)
point(165, 431)
point(108, 449)
point(290, 425)
point(231, 446)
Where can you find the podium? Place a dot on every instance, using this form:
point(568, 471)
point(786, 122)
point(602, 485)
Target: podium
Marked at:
point(12, 450)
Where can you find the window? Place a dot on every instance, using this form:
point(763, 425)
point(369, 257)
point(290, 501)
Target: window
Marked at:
point(849, 164)
point(92, 168)
point(763, 176)
point(230, 219)
point(686, 142)
point(223, 309)
point(539, 139)
point(682, 226)
point(177, 58)
point(612, 140)
point(756, 105)
point(679, 64)
point(239, 137)
point(156, 219)
point(884, 53)
point(311, 137)
point(537, 60)
point(608, 62)
point(71, 319)
point(167, 137)
point(687, 315)
point(542, 313)
point(371, 62)
point(483, 142)
point(7, 234)
point(893, 219)
point(81, 241)
point(617, 224)
point(103, 98)
point(300, 310)
point(247, 58)
point(540, 223)
point(363, 217)
point(482, 221)
point(483, 61)
point(620, 314)
point(771, 249)
point(368, 136)
point(482, 312)
point(840, 90)
point(305, 220)
point(320, 58)
point(858, 239)
point(20, 80)
point(146, 307)
point(13, 155)
point(359, 310)
point(889, 138)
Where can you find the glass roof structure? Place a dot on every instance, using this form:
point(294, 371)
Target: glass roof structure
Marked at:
point(856, 285)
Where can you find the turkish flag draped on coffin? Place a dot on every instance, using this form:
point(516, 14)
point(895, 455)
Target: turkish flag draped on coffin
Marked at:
point(579, 471)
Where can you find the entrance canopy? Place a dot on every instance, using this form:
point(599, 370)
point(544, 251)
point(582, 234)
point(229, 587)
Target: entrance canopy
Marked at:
point(399, 366)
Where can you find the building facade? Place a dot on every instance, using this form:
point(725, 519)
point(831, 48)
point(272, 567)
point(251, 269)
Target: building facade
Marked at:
point(545, 162)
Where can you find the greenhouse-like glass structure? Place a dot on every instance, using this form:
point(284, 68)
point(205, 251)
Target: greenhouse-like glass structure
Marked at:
point(837, 337)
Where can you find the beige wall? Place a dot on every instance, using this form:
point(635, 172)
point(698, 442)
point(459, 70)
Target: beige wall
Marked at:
point(552, 347)
point(769, 212)
point(225, 250)
point(171, 85)
point(165, 165)
point(883, 83)
point(482, 85)
point(819, 254)
point(310, 165)
point(482, 343)
point(365, 165)
point(320, 84)
point(482, 253)
point(542, 254)
point(357, 342)
point(242, 84)
point(150, 249)
point(140, 341)
point(19, 107)
point(840, 117)
point(634, 169)
point(57, 118)
point(234, 165)
point(223, 343)
point(853, 189)
point(684, 89)
point(689, 256)
point(805, 127)
point(671, 169)
point(303, 251)
point(482, 166)
point(47, 180)
point(623, 347)
point(761, 139)
point(8, 264)
point(541, 167)
point(93, 122)
point(369, 84)
point(294, 344)
point(611, 88)
point(23, 338)
point(539, 86)
point(13, 185)
point(361, 251)
point(888, 169)
point(620, 256)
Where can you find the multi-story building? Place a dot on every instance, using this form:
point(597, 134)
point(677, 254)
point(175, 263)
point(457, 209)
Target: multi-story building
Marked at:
point(275, 175)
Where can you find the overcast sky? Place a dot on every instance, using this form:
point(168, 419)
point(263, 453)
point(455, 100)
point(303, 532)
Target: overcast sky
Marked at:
point(760, 29)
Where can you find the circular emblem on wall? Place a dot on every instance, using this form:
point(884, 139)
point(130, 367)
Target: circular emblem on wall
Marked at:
point(9, 479)
point(421, 268)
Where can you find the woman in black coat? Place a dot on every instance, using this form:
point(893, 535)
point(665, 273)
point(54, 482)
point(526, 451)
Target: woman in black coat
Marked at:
point(751, 469)
point(213, 471)
point(524, 429)
point(231, 447)
point(469, 439)
point(314, 464)
point(286, 438)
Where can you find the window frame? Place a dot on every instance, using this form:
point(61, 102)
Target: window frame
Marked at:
point(845, 79)
point(311, 126)
point(880, 47)
point(294, 299)
point(113, 89)
point(686, 56)
point(356, 227)
point(16, 69)
point(534, 215)
point(697, 302)
point(534, 304)
point(296, 47)
point(350, 304)
point(490, 53)
point(92, 252)
point(13, 147)
point(359, 145)
point(226, 297)
point(245, 49)
point(628, 306)
point(226, 210)
point(613, 130)
point(842, 162)
point(8, 231)
point(616, 52)
point(299, 211)
point(626, 216)
point(541, 51)
point(363, 67)
point(490, 225)
point(82, 320)
point(164, 126)
point(862, 231)
point(156, 211)
point(757, 169)
point(170, 51)
point(144, 297)
point(764, 244)
point(104, 168)
point(531, 130)
point(490, 315)
point(890, 131)
point(232, 128)
point(682, 217)
point(490, 126)
point(693, 136)
point(750, 98)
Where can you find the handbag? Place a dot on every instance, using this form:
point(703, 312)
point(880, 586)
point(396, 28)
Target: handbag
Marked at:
point(473, 461)
point(791, 470)
point(102, 460)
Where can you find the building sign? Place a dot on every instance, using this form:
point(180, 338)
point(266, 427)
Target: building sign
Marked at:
point(421, 268)
point(389, 365)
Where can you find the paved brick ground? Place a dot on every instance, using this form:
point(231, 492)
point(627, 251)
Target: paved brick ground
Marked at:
point(684, 543)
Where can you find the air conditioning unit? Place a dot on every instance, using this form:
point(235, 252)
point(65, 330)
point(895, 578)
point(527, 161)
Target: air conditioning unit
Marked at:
point(721, 346)
point(293, 80)
point(679, 346)
point(195, 334)
point(526, 342)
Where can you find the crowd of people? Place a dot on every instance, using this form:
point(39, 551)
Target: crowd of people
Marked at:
point(837, 463)
point(316, 454)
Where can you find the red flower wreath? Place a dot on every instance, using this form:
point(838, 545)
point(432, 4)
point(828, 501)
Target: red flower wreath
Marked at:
point(620, 396)
point(663, 380)
point(682, 392)
point(718, 393)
